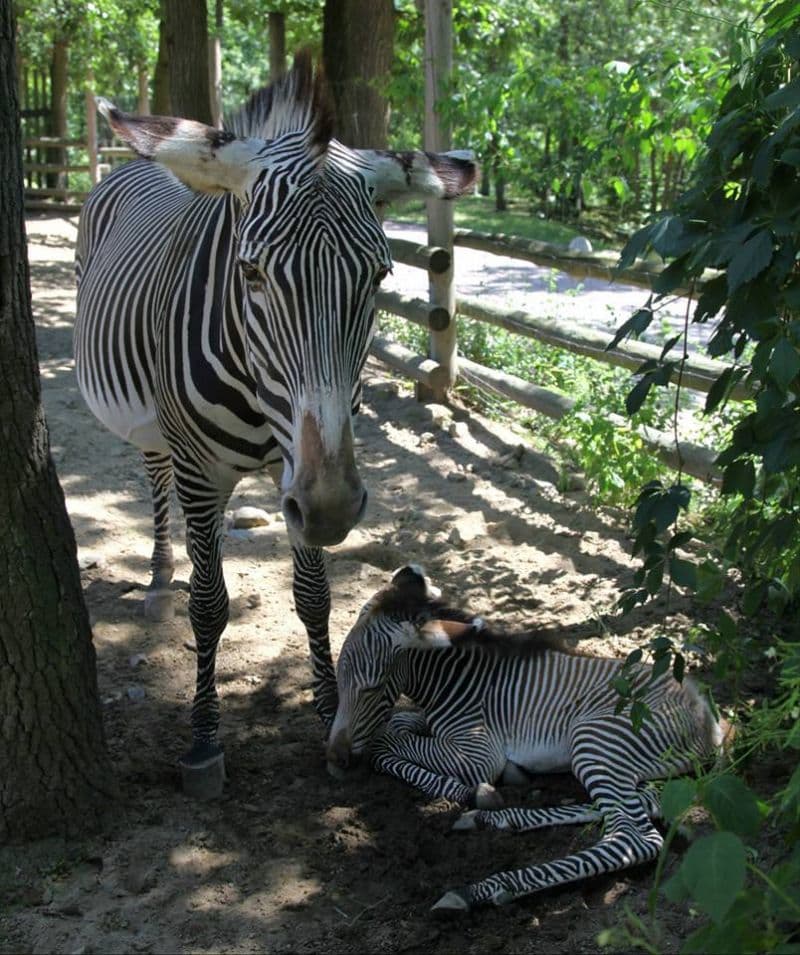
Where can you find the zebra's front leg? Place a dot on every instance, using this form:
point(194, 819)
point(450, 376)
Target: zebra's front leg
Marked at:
point(461, 771)
point(526, 820)
point(625, 843)
point(312, 600)
point(158, 599)
point(203, 766)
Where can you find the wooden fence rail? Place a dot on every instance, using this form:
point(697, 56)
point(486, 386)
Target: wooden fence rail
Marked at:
point(698, 373)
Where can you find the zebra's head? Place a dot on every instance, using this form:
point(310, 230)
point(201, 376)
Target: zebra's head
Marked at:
point(307, 257)
point(371, 672)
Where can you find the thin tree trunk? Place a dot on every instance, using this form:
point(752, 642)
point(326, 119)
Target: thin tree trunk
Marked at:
point(357, 46)
point(277, 46)
point(215, 66)
point(187, 43)
point(162, 105)
point(143, 98)
point(58, 111)
point(55, 774)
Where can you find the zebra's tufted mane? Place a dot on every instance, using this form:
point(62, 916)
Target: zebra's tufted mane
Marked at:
point(298, 102)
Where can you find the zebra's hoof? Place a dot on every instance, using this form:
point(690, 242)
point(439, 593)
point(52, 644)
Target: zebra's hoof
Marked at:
point(467, 820)
point(502, 897)
point(487, 797)
point(452, 903)
point(203, 771)
point(159, 605)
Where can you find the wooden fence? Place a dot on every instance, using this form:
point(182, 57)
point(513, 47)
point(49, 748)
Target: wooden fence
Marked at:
point(698, 373)
point(51, 163)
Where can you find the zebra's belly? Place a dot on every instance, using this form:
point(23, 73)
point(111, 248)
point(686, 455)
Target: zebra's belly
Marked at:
point(133, 422)
point(540, 757)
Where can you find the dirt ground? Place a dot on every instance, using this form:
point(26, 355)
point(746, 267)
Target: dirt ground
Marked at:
point(290, 860)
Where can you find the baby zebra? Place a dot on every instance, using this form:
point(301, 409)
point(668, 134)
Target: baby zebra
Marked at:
point(493, 706)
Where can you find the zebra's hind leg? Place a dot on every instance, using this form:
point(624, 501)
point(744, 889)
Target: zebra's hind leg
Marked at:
point(625, 843)
point(203, 502)
point(526, 820)
point(158, 599)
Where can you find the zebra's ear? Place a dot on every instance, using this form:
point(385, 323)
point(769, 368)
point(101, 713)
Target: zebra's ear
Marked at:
point(409, 175)
point(432, 635)
point(207, 159)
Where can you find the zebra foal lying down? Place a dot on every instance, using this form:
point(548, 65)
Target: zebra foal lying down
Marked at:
point(494, 706)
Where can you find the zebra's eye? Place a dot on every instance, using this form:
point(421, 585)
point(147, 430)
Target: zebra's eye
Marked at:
point(252, 274)
point(380, 276)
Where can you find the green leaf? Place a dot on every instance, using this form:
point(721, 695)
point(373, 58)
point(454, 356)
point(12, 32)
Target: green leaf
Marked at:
point(637, 395)
point(635, 325)
point(683, 572)
point(784, 364)
point(788, 95)
point(751, 259)
point(718, 390)
point(676, 797)
point(739, 478)
point(713, 871)
point(732, 804)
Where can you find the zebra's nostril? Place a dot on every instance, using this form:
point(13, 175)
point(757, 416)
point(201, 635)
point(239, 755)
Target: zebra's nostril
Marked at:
point(293, 513)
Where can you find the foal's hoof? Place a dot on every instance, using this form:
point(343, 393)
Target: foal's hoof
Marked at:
point(467, 821)
point(203, 771)
point(159, 605)
point(487, 797)
point(452, 903)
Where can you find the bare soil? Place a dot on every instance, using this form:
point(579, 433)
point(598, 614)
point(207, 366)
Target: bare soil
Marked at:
point(290, 860)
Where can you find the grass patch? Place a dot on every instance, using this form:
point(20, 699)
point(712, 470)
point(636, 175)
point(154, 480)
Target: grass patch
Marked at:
point(479, 213)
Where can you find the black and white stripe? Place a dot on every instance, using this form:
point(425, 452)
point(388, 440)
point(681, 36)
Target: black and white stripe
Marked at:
point(492, 707)
point(225, 310)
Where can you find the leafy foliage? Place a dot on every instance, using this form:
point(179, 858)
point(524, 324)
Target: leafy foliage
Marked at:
point(737, 229)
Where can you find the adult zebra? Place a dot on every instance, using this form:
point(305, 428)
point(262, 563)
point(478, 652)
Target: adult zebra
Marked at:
point(225, 309)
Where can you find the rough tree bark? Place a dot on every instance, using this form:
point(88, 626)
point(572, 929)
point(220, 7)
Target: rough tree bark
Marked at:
point(187, 55)
point(54, 772)
point(215, 65)
point(357, 44)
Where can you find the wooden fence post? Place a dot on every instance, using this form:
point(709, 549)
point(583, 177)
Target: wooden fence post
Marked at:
point(438, 67)
point(91, 128)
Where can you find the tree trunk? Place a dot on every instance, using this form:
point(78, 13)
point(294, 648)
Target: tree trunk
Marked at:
point(55, 775)
point(277, 46)
point(58, 111)
point(357, 45)
point(187, 45)
point(215, 67)
point(162, 105)
point(143, 96)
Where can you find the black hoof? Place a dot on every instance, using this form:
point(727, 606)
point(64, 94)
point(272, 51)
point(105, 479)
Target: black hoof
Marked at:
point(203, 771)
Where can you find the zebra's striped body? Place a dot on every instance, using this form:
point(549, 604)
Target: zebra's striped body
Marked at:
point(492, 707)
point(225, 310)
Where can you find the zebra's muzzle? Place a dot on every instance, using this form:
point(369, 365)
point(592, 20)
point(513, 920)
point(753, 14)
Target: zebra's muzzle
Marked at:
point(326, 498)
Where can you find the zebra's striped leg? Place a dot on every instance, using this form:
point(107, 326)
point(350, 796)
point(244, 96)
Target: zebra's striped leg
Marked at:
point(526, 820)
point(158, 600)
point(203, 504)
point(312, 600)
point(625, 843)
point(453, 769)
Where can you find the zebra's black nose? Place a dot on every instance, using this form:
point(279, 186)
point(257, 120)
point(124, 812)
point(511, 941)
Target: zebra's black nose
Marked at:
point(320, 520)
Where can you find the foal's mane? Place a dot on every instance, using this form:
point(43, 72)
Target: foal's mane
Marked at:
point(408, 600)
point(298, 102)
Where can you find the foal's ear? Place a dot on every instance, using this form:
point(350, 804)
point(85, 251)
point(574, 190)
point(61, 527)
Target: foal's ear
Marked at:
point(433, 635)
point(204, 158)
